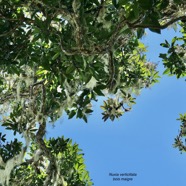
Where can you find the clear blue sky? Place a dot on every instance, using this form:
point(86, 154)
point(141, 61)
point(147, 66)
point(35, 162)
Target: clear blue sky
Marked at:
point(141, 141)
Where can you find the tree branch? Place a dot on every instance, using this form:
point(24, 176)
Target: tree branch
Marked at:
point(52, 168)
point(111, 81)
point(151, 26)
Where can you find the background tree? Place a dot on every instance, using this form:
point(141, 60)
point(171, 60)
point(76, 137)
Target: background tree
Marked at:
point(60, 56)
point(175, 63)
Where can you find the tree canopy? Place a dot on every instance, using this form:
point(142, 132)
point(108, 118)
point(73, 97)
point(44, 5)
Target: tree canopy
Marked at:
point(60, 56)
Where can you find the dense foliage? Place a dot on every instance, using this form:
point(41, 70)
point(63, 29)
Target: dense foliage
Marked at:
point(59, 56)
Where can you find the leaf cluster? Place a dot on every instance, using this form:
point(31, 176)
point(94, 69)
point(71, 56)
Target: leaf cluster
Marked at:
point(69, 159)
point(175, 59)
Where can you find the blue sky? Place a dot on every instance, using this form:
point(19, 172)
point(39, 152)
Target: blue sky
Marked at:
point(141, 141)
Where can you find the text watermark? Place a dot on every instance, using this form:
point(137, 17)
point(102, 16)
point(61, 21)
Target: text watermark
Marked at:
point(122, 176)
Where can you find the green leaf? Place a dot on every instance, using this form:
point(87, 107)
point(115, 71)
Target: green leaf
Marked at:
point(173, 41)
point(166, 44)
point(164, 56)
point(81, 167)
point(88, 111)
point(79, 113)
point(152, 22)
point(72, 114)
point(167, 71)
point(175, 26)
point(140, 33)
point(55, 56)
point(115, 3)
point(112, 117)
point(70, 69)
point(98, 91)
point(158, 31)
point(85, 118)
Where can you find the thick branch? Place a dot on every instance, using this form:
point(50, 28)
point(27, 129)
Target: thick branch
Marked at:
point(156, 26)
point(35, 84)
point(111, 81)
point(52, 168)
